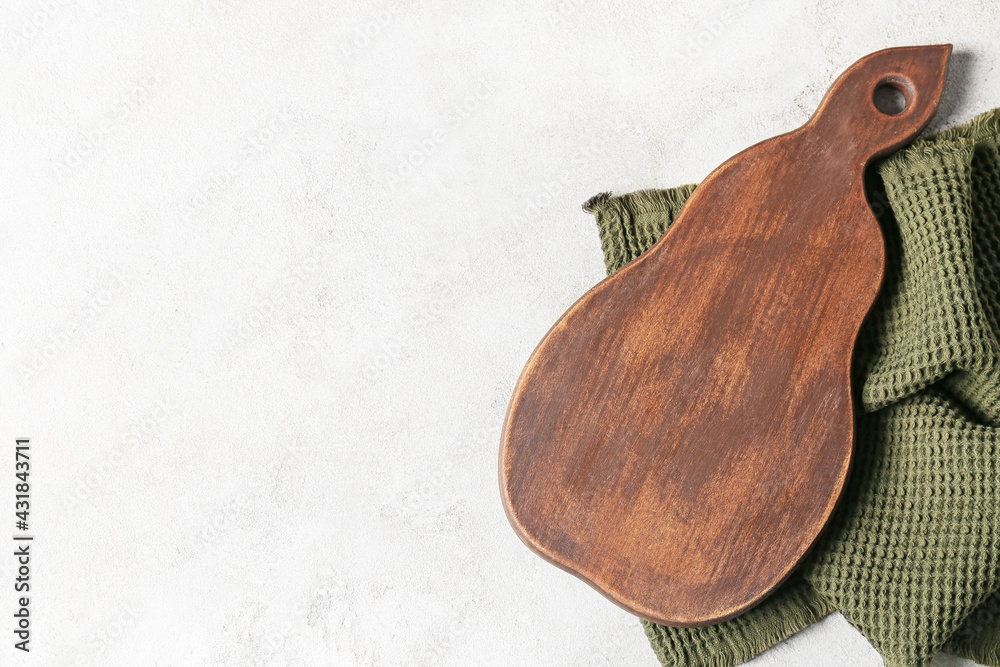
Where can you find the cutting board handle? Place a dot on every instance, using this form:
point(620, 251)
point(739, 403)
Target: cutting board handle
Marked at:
point(848, 116)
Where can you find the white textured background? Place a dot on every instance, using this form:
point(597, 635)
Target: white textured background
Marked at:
point(270, 271)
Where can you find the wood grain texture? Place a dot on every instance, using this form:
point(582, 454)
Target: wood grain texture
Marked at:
point(682, 434)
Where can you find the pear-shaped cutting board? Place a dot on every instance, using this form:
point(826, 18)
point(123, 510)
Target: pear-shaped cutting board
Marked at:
point(682, 434)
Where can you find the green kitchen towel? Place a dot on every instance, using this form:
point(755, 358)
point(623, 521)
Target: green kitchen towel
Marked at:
point(912, 555)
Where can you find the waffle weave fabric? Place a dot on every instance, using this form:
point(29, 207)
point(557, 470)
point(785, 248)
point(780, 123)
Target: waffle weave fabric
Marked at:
point(911, 556)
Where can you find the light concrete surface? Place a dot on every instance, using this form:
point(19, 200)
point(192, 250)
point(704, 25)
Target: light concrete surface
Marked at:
point(272, 269)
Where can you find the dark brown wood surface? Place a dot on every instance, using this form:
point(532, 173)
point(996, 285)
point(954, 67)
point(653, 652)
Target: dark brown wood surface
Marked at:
point(682, 434)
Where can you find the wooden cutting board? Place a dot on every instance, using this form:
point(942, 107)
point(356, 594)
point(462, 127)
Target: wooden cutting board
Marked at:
point(682, 434)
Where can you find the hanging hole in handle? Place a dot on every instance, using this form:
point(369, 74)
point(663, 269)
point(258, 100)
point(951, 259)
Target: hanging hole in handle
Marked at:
point(890, 97)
